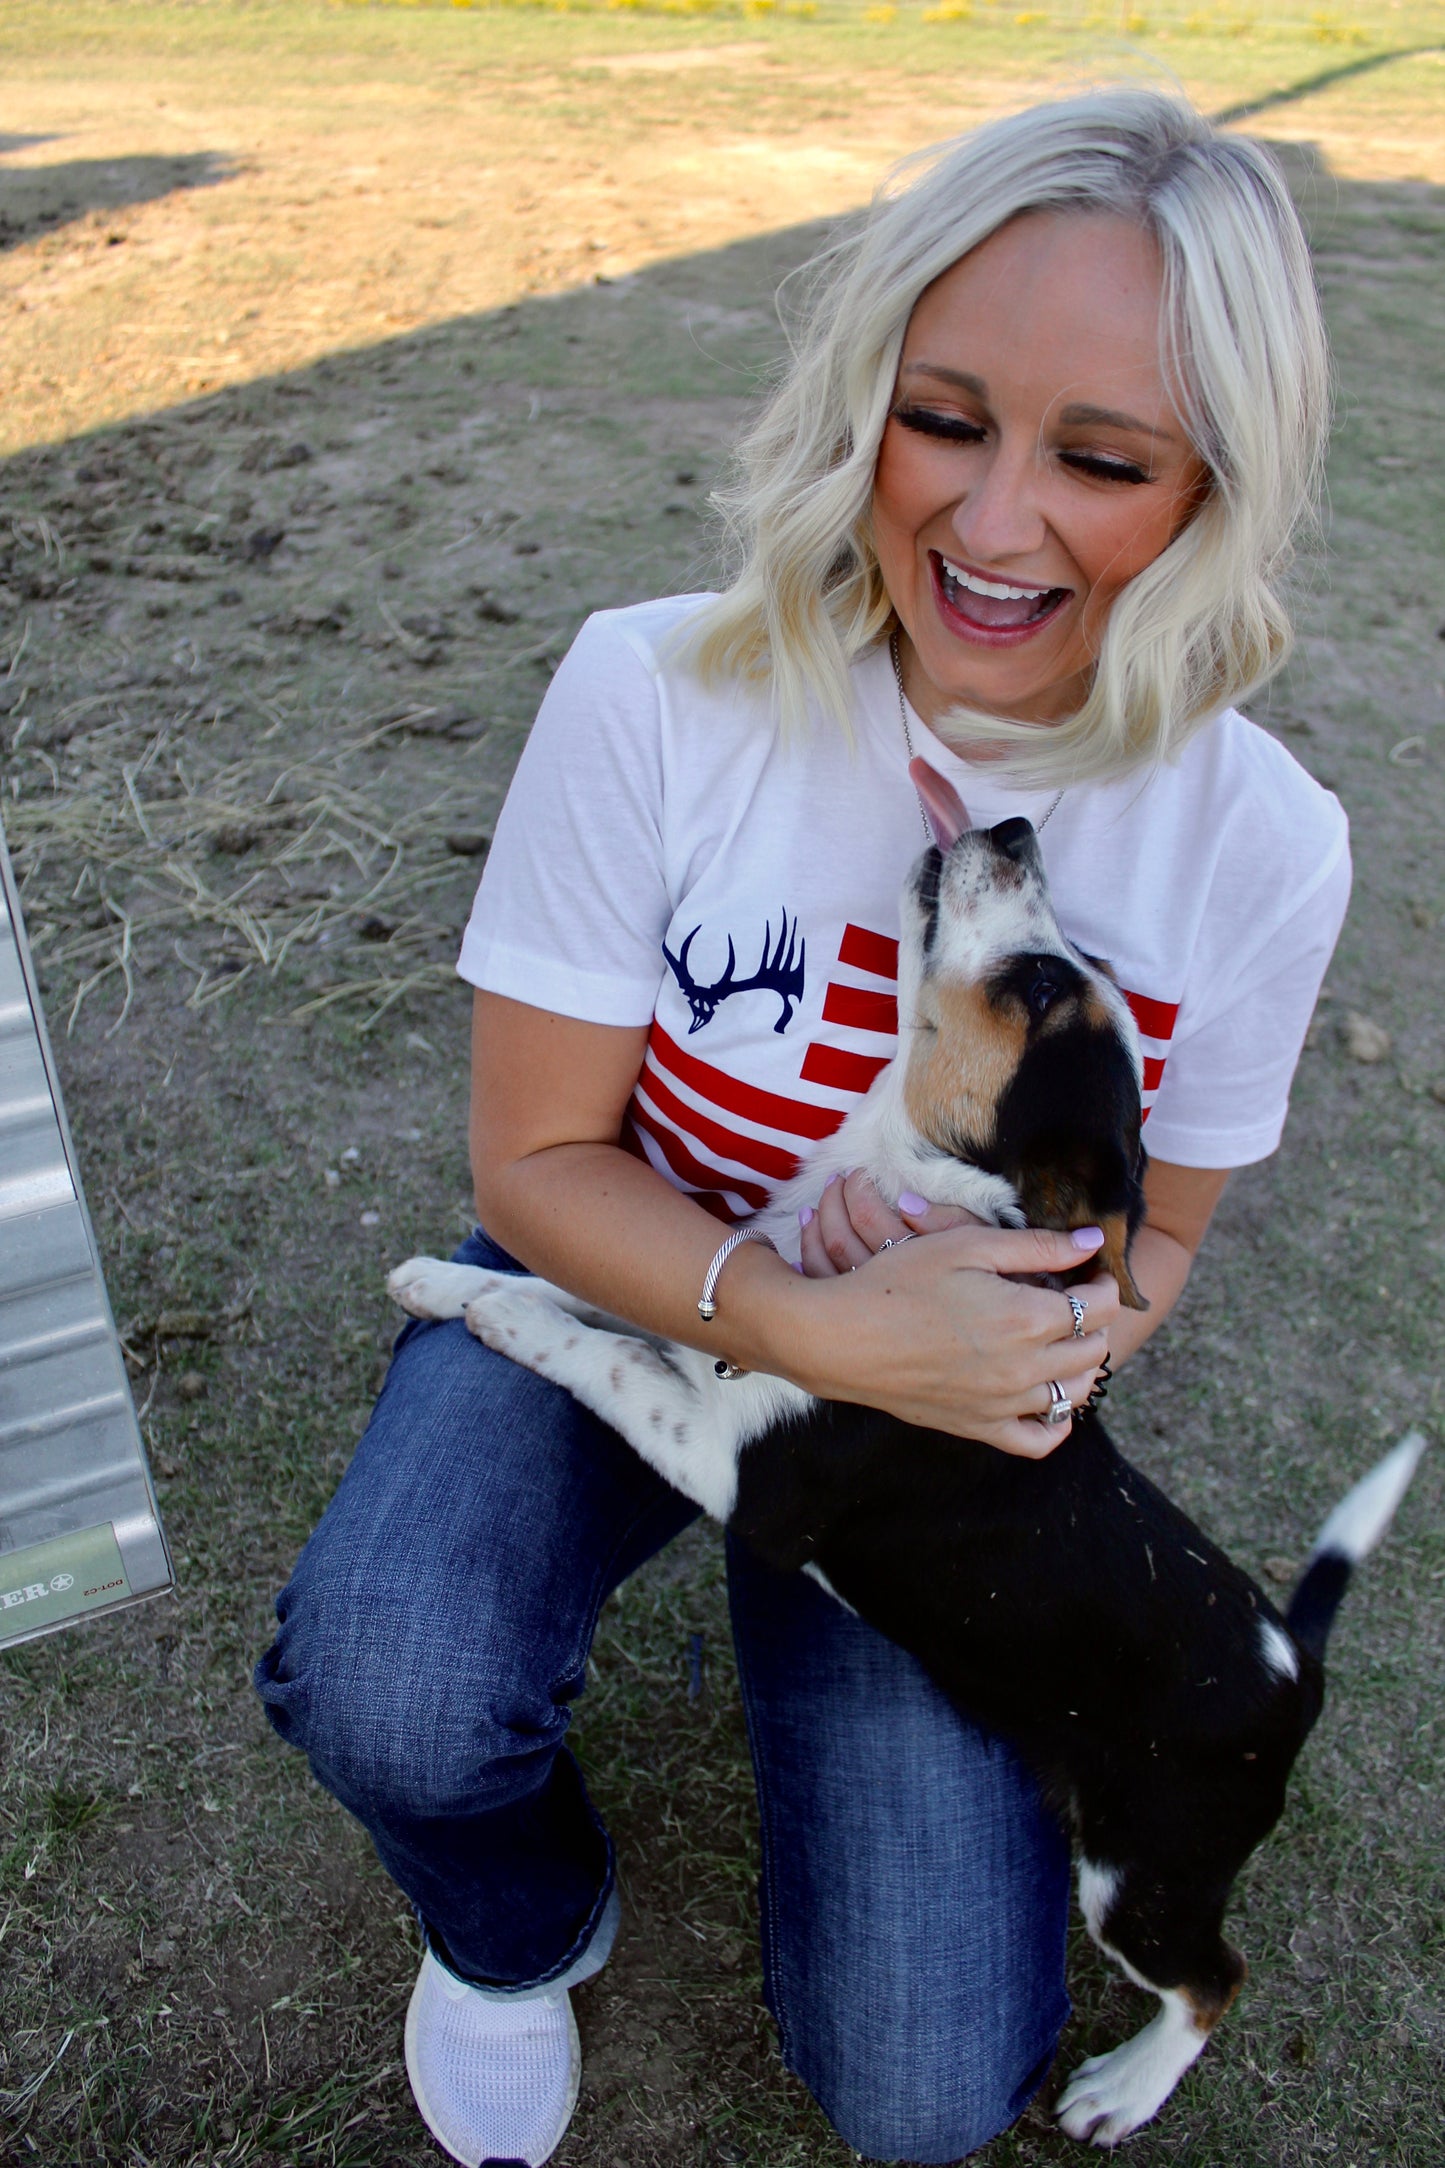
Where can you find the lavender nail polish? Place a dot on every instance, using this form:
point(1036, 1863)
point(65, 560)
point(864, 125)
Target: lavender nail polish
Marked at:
point(1086, 1238)
point(805, 1215)
point(907, 1202)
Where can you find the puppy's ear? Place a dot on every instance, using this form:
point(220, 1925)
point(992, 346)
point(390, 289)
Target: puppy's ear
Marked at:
point(1114, 1257)
point(947, 813)
point(1102, 965)
point(1096, 1190)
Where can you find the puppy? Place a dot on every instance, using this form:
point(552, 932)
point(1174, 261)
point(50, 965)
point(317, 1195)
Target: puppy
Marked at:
point(1063, 1603)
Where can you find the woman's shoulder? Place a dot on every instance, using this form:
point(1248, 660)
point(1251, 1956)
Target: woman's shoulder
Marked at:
point(1256, 797)
point(652, 632)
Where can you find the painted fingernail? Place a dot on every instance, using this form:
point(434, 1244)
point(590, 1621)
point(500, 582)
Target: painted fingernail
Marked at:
point(805, 1215)
point(1086, 1238)
point(907, 1202)
point(831, 1180)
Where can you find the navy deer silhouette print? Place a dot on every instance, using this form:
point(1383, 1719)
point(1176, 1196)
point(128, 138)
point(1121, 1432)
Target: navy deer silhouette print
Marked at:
point(780, 972)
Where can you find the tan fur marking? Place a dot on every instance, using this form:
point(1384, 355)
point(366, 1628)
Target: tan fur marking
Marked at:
point(957, 1074)
point(1083, 1007)
point(1114, 1257)
point(1207, 2013)
point(1055, 1200)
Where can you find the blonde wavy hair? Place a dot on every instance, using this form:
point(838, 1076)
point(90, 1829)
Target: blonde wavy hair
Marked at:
point(1243, 350)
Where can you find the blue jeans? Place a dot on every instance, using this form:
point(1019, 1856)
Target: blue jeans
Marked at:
point(437, 1625)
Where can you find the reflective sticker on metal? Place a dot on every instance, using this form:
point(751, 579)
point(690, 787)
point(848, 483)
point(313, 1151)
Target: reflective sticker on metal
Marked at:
point(47, 1582)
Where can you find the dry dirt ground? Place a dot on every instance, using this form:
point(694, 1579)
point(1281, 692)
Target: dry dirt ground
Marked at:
point(351, 358)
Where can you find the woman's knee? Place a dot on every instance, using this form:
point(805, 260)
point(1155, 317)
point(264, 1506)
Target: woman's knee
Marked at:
point(926, 2099)
point(923, 2035)
point(421, 1660)
point(438, 1621)
point(400, 1714)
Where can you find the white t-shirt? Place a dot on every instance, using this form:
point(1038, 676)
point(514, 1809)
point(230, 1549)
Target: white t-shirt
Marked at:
point(663, 859)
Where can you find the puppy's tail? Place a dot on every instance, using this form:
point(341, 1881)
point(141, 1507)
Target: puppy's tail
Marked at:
point(1354, 1528)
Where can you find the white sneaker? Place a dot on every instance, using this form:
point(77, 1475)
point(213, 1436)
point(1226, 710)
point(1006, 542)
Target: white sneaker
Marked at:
point(495, 2078)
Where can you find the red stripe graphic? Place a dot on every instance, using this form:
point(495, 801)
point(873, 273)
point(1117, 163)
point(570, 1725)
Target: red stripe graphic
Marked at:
point(764, 1159)
point(711, 1200)
point(655, 1107)
point(864, 951)
point(770, 1111)
point(1154, 1018)
point(693, 1171)
point(840, 1070)
point(861, 1010)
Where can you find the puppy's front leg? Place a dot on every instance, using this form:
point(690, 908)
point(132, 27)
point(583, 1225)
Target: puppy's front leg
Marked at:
point(429, 1287)
point(666, 1402)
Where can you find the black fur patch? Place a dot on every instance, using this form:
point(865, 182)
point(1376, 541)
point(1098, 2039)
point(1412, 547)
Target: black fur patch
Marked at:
point(926, 890)
point(1069, 1606)
point(1068, 1128)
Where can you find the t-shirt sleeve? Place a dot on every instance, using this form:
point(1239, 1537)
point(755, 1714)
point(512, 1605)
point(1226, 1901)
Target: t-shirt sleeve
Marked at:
point(1225, 1090)
point(572, 907)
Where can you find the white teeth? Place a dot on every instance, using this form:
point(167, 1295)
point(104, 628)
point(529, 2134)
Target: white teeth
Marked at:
point(994, 589)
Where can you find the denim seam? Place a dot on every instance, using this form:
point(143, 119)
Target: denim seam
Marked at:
point(767, 1879)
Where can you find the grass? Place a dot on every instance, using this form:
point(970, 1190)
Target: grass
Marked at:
point(223, 758)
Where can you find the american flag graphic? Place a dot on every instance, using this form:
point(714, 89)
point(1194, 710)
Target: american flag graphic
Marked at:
point(730, 1144)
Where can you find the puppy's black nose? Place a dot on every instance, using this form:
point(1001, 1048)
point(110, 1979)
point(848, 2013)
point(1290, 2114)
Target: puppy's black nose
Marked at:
point(1013, 836)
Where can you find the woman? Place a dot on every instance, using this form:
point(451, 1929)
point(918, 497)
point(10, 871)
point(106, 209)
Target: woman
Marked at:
point(1020, 504)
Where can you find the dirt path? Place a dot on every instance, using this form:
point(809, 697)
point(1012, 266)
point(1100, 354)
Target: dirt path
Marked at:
point(198, 215)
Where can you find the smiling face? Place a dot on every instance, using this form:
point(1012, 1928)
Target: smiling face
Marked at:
point(1032, 464)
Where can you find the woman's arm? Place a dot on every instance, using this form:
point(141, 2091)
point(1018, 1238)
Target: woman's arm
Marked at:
point(1179, 1204)
point(852, 1221)
point(944, 1340)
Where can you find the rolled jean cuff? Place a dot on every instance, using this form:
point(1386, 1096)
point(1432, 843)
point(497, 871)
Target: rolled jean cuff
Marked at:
point(586, 1958)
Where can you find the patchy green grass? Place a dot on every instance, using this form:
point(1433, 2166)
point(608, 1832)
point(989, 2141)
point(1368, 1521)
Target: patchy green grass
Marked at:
point(201, 1962)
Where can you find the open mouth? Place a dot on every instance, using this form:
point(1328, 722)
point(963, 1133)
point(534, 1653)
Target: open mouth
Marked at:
point(996, 612)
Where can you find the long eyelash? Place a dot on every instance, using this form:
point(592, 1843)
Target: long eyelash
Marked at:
point(1106, 470)
point(928, 424)
point(954, 430)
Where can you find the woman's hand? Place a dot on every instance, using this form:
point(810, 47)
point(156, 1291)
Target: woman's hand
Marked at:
point(851, 1223)
point(969, 1348)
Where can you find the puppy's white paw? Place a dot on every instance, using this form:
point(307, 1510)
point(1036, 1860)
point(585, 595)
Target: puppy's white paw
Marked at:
point(516, 1320)
point(430, 1287)
point(1103, 2106)
point(1110, 2096)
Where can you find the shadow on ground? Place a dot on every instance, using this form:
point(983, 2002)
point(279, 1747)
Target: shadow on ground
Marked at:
point(37, 199)
point(1324, 79)
point(272, 657)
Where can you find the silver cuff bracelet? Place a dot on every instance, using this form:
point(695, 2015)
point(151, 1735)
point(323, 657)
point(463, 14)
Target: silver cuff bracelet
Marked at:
point(706, 1307)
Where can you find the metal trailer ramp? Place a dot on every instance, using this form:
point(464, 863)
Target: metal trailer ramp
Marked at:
point(79, 1529)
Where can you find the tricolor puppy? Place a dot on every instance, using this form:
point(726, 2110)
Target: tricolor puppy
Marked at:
point(1064, 1603)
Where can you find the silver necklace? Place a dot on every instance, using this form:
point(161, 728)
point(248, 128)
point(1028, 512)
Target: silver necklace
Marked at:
point(1039, 826)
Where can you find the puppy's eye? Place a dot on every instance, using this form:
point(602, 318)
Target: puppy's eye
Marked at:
point(1042, 994)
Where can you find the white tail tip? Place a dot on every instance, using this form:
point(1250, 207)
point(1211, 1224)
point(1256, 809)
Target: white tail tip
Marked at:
point(1364, 1513)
